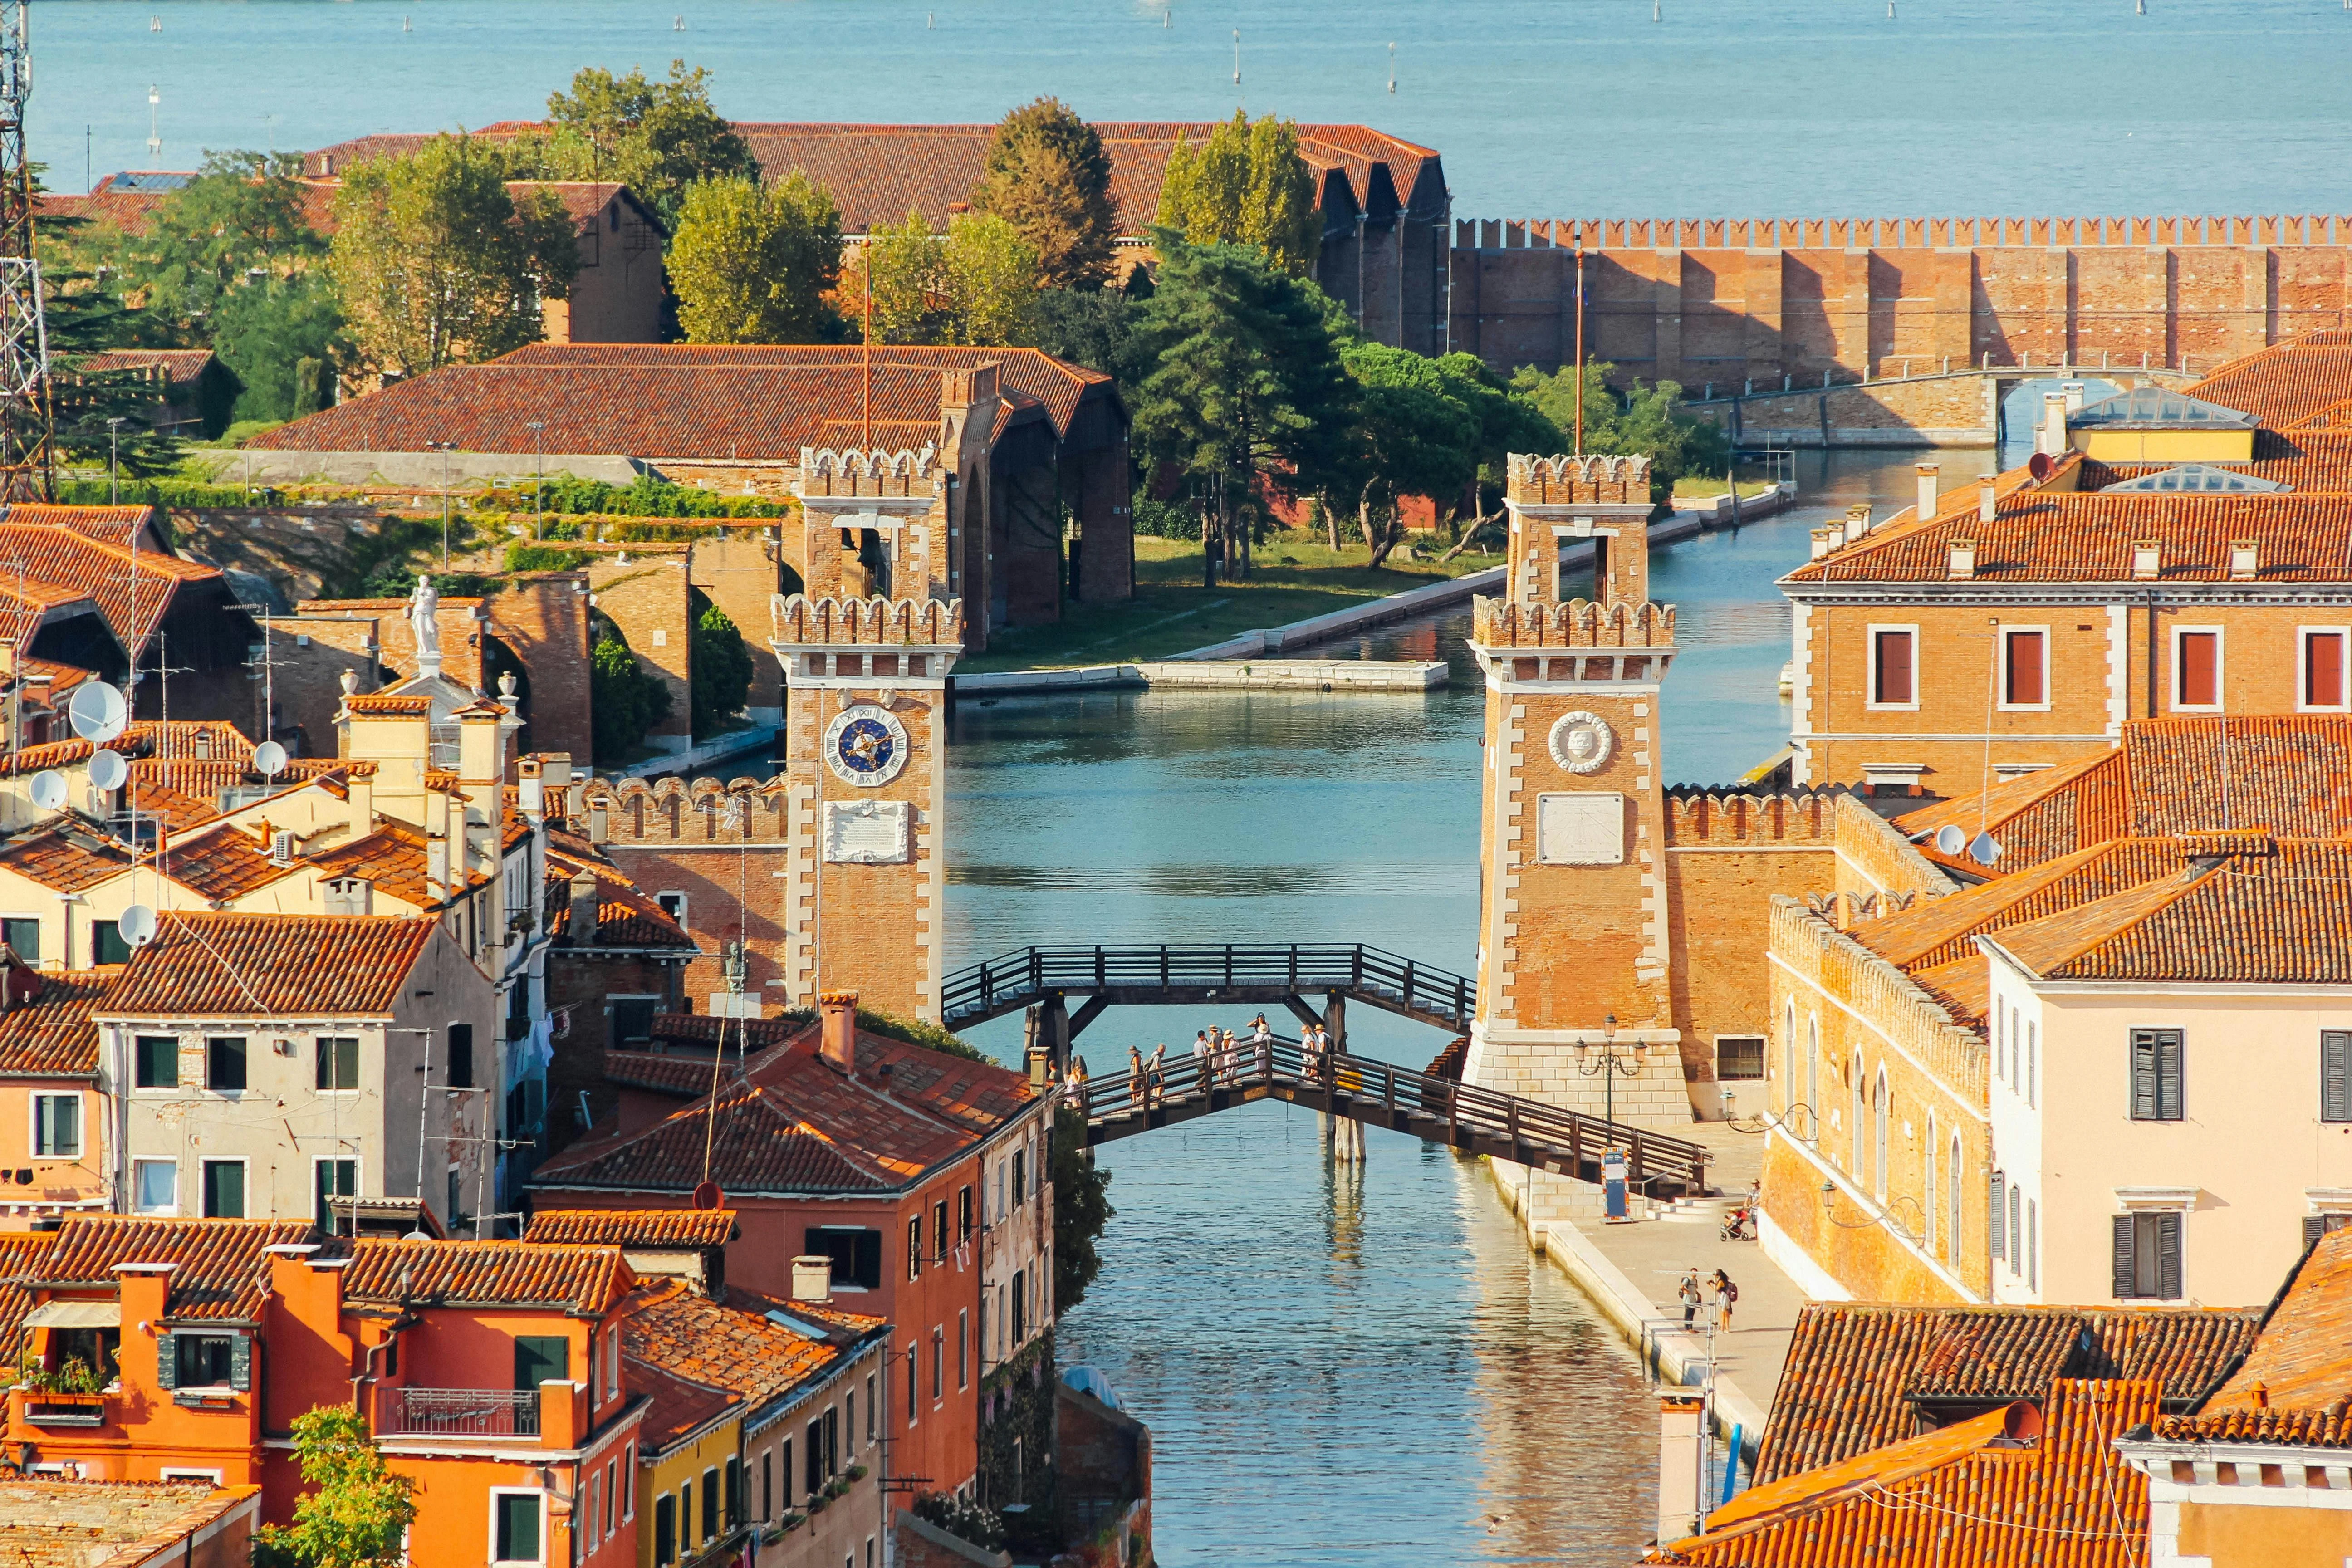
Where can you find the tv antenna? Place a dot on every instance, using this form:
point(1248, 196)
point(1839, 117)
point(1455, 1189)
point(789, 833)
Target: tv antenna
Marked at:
point(27, 434)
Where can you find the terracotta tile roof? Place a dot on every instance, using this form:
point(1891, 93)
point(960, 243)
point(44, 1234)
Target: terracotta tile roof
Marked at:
point(688, 1077)
point(2302, 459)
point(1854, 1368)
point(2281, 918)
point(237, 965)
point(667, 1324)
point(54, 551)
point(52, 1524)
point(796, 1124)
point(51, 1035)
point(704, 1030)
point(221, 862)
point(2302, 1362)
point(2286, 382)
point(1964, 1495)
point(220, 1271)
point(66, 858)
point(180, 367)
point(640, 1228)
point(625, 916)
point(676, 400)
point(392, 859)
point(582, 1281)
point(1939, 931)
point(17, 1251)
point(676, 1407)
point(387, 704)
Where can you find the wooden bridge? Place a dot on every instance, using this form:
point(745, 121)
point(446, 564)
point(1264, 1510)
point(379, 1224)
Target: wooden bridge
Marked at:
point(1378, 1094)
point(1197, 976)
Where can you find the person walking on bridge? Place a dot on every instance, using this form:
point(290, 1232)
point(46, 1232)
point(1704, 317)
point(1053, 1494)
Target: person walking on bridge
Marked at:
point(1134, 1078)
point(1264, 1041)
point(1156, 1074)
point(1201, 1057)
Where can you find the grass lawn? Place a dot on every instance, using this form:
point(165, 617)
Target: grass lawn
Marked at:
point(1698, 487)
point(1296, 576)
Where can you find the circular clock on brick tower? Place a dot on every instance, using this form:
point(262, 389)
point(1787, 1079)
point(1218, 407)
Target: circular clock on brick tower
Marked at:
point(866, 745)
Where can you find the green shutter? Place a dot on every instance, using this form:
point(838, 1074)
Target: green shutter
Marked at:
point(167, 1361)
point(2125, 1278)
point(2167, 1256)
point(240, 1362)
point(2336, 1075)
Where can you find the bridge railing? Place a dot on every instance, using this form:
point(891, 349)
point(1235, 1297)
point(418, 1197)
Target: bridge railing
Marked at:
point(1362, 1083)
point(1013, 979)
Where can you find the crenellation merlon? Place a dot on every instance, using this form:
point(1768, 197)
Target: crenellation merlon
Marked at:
point(928, 624)
point(1502, 625)
point(877, 475)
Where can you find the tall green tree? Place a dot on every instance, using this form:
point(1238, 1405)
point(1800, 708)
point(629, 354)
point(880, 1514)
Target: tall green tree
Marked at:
point(626, 700)
point(1246, 387)
point(1082, 1210)
point(1048, 176)
point(657, 137)
point(977, 283)
point(353, 1512)
point(753, 263)
point(435, 259)
point(1639, 420)
point(1247, 184)
point(1414, 434)
point(722, 667)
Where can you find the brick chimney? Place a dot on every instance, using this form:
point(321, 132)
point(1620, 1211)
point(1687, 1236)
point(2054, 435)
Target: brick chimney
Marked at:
point(584, 903)
point(836, 1014)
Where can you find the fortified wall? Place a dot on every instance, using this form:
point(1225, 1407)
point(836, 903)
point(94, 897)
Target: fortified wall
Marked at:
point(1724, 303)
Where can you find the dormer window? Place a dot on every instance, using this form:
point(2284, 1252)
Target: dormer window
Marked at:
point(350, 896)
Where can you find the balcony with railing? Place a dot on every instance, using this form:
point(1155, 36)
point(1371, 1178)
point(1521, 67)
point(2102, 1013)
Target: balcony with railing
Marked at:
point(457, 1412)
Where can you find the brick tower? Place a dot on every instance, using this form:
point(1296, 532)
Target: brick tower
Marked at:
point(866, 651)
point(1572, 927)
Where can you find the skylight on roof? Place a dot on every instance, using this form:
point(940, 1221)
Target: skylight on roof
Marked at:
point(2197, 479)
point(2154, 405)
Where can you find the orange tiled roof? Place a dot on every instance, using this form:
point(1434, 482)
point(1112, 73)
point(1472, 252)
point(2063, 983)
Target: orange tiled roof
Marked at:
point(392, 859)
point(634, 1227)
point(667, 1324)
point(220, 861)
point(582, 1281)
point(704, 1030)
point(388, 704)
point(679, 400)
point(1964, 1495)
point(51, 1035)
point(676, 1407)
point(243, 966)
point(2286, 382)
point(796, 1124)
point(17, 1250)
point(180, 366)
point(685, 1077)
point(48, 1522)
point(66, 858)
point(220, 1271)
point(1936, 931)
point(2295, 1385)
point(626, 917)
point(1856, 1371)
point(55, 550)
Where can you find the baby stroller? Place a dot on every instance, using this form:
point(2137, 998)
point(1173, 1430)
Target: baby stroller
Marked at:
point(1739, 1225)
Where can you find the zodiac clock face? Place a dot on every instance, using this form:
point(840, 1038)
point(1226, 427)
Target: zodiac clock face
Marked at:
point(866, 745)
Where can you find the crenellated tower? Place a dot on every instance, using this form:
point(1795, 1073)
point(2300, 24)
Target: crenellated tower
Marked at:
point(866, 649)
point(1574, 916)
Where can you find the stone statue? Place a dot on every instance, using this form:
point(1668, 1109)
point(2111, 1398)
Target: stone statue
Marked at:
point(423, 621)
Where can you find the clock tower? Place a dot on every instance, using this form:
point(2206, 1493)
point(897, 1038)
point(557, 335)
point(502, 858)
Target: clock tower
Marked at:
point(866, 648)
point(1575, 976)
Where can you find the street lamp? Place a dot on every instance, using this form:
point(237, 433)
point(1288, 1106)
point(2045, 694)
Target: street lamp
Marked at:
point(445, 448)
point(1608, 1068)
point(113, 484)
point(538, 478)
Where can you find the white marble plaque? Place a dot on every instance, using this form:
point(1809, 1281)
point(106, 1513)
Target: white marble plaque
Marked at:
point(1580, 829)
point(866, 832)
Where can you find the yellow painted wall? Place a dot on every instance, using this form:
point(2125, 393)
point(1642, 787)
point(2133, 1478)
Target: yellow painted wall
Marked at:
point(2228, 1537)
point(669, 1473)
point(2222, 446)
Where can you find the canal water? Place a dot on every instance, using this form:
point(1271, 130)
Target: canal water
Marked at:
point(1361, 1371)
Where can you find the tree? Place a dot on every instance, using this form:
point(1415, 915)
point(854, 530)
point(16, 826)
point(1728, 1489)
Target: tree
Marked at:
point(1048, 176)
point(658, 137)
point(624, 700)
point(1640, 420)
point(975, 284)
point(1246, 382)
point(1093, 327)
point(720, 665)
point(1082, 1210)
point(354, 1513)
point(753, 263)
point(1414, 434)
point(1247, 184)
point(436, 260)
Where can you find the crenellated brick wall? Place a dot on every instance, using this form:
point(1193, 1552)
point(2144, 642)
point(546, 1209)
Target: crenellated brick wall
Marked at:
point(1729, 301)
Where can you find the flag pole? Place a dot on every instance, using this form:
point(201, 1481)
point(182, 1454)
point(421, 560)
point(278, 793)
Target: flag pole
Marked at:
point(1579, 344)
point(866, 389)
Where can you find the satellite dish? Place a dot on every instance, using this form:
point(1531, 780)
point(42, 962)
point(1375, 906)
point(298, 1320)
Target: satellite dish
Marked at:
point(1984, 851)
point(268, 759)
point(108, 770)
point(49, 789)
point(136, 925)
point(1949, 840)
point(97, 712)
point(707, 1196)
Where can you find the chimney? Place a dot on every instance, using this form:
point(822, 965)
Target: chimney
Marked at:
point(531, 788)
point(2148, 563)
point(1987, 498)
point(837, 1015)
point(1820, 542)
point(584, 903)
point(1928, 473)
point(1682, 1480)
point(2244, 559)
point(2073, 393)
point(812, 1278)
point(2054, 424)
point(1857, 521)
point(1964, 559)
point(1838, 536)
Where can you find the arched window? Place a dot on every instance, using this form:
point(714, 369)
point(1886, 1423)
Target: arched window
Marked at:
point(1929, 1191)
point(1813, 1080)
point(1952, 1233)
point(1884, 1107)
point(1858, 1136)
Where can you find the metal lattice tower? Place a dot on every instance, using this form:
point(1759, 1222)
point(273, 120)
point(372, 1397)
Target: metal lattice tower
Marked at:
point(24, 421)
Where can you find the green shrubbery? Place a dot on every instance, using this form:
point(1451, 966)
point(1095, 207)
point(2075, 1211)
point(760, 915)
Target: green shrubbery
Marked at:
point(647, 495)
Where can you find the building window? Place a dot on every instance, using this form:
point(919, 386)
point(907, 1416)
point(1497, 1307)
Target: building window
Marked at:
point(2323, 670)
point(2335, 1075)
point(633, 1019)
point(224, 1064)
point(856, 1253)
point(1880, 1110)
point(203, 1361)
point(1020, 1306)
point(2033, 1061)
point(939, 1230)
point(673, 904)
point(461, 1056)
point(23, 937)
point(57, 1127)
point(155, 1186)
point(963, 1349)
point(224, 1189)
point(155, 1061)
point(629, 1481)
point(2147, 1256)
point(1856, 1146)
point(914, 1247)
point(2016, 1233)
point(2025, 668)
point(1953, 1176)
point(871, 1407)
point(939, 1363)
point(784, 1467)
point(2197, 667)
point(710, 1525)
point(1928, 1189)
point(963, 1216)
point(105, 943)
point(914, 1392)
point(541, 1358)
point(1892, 681)
point(331, 1179)
point(2032, 1245)
point(2316, 1226)
point(1020, 1177)
point(611, 1504)
point(2155, 1067)
point(1739, 1057)
point(664, 1531)
point(1813, 1080)
point(1998, 1234)
point(339, 1064)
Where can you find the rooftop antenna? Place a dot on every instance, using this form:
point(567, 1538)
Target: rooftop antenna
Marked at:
point(24, 427)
